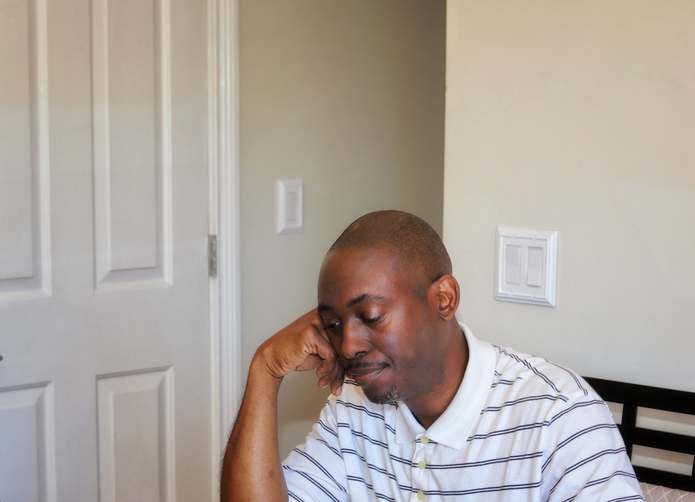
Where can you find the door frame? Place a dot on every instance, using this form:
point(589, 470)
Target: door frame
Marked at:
point(224, 196)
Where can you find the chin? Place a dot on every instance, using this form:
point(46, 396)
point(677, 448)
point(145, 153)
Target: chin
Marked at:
point(391, 396)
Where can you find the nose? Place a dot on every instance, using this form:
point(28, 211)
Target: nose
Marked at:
point(355, 341)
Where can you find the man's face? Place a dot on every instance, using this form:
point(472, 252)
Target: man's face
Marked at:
point(380, 324)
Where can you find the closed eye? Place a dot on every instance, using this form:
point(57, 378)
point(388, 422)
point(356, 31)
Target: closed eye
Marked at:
point(372, 320)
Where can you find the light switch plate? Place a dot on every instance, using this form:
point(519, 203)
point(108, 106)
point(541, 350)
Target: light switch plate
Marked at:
point(526, 269)
point(290, 206)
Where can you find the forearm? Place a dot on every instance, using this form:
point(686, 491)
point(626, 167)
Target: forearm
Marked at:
point(251, 468)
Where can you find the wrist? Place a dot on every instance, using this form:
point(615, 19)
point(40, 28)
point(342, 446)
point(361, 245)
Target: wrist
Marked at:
point(261, 374)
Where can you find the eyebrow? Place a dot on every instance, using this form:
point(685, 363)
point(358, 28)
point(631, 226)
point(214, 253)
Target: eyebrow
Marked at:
point(354, 301)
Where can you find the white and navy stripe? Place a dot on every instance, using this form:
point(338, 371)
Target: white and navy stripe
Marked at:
point(519, 428)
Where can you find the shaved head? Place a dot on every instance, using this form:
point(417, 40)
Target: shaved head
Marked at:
point(419, 249)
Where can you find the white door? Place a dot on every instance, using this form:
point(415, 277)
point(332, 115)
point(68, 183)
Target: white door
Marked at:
point(105, 382)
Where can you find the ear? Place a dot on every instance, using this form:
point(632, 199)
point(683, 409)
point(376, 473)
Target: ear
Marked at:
point(448, 295)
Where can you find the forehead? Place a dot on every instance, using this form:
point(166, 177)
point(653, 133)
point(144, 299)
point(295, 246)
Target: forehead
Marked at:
point(351, 272)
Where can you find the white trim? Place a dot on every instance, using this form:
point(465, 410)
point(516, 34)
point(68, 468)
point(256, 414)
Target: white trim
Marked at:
point(166, 146)
point(44, 148)
point(225, 299)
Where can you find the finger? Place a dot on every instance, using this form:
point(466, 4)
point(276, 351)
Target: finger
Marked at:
point(328, 372)
point(337, 384)
point(326, 367)
point(317, 353)
point(336, 387)
point(323, 347)
point(317, 322)
point(334, 378)
point(309, 363)
point(331, 371)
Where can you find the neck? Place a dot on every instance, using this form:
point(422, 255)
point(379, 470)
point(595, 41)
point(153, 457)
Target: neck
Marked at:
point(428, 408)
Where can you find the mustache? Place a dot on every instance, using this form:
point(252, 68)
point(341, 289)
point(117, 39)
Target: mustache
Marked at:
point(366, 365)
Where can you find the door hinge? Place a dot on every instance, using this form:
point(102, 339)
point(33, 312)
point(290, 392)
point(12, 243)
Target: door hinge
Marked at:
point(212, 255)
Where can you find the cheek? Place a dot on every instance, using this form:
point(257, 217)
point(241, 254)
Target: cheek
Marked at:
point(336, 343)
point(334, 340)
point(405, 355)
point(416, 355)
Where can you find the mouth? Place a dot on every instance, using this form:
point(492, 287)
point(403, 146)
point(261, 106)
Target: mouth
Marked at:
point(365, 373)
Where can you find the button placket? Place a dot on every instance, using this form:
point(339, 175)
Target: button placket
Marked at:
point(420, 474)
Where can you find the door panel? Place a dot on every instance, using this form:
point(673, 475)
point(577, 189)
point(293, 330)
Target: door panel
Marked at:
point(26, 430)
point(104, 309)
point(132, 140)
point(136, 419)
point(24, 219)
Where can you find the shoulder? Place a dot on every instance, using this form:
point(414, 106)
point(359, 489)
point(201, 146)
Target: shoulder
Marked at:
point(534, 389)
point(526, 373)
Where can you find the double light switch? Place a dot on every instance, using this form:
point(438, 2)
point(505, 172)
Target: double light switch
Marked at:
point(526, 266)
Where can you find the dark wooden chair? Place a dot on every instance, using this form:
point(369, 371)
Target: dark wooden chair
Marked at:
point(632, 397)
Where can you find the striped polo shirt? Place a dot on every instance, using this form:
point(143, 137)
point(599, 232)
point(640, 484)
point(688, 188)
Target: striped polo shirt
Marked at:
point(519, 429)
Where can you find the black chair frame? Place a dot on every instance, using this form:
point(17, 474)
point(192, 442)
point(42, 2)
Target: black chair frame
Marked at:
point(632, 397)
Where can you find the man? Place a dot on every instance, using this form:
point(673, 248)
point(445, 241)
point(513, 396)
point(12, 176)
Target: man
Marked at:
point(421, 409)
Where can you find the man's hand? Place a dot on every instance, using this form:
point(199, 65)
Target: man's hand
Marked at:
point(251, 469)
point(302, 346)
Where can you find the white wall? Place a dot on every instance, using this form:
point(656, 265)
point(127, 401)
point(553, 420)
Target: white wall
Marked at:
point(578, 117)
point(349, 96)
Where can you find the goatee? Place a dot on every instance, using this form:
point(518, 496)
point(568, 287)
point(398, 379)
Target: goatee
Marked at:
point(391, 396)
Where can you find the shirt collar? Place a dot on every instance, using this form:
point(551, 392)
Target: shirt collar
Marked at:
point(454, 426)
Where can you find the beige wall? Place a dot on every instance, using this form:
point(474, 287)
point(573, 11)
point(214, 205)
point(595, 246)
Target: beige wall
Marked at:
point(349, 96)
point(578, 117)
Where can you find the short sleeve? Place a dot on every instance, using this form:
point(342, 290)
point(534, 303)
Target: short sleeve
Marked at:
point(585, 458)
point(315, 471)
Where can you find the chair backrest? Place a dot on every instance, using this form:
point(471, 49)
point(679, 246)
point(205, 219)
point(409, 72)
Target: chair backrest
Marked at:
point(632, 397)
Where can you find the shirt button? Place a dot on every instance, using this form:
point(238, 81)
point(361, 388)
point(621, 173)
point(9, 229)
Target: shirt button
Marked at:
point(424, 440)
point(420, 495)
point(421, 464)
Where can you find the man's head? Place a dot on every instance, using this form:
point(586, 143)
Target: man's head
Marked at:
point(419, 249)
point(388, 302)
